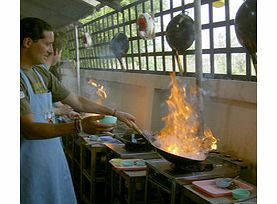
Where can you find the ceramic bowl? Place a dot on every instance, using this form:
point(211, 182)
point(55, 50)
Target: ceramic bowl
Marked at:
point(240, 193)
point(223, 182)
point(108, 119)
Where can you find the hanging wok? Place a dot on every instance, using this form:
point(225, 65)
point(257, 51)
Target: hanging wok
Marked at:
point(120, 46)
point(246, 28)
point(180, 35)
point(176, 159)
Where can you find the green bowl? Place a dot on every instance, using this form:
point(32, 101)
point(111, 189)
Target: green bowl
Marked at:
point(240, 193)
point(108, 119)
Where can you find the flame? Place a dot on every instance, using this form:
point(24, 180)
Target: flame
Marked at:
point(180, 134)
point(100, 89)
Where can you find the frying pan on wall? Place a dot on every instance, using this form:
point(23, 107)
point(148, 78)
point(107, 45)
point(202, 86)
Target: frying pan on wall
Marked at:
point(246, 28)
point(120, 46)
point(180, 35)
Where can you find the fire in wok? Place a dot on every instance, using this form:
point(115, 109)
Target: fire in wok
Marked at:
point(180, 134)
point(179, 141)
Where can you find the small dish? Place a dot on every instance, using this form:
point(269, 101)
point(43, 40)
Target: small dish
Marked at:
point(94, 138)
point(126, 163)
point(240, 193)
point(223, 182)
point(140, 163)
point(116, 161)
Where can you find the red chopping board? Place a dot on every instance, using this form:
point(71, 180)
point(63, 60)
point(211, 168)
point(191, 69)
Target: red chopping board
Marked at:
point(209, 187)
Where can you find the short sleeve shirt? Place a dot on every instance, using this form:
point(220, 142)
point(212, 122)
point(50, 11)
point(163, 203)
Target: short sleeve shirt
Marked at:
point(58, 90)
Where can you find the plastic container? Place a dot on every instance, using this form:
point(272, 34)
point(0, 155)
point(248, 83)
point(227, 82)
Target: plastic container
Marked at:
point(240, 193)
point(108, 119)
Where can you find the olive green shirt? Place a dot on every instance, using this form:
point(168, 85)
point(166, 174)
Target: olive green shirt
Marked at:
point(58, 90)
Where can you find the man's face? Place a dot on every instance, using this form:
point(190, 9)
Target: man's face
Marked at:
point(56, 56)
point(42, 48)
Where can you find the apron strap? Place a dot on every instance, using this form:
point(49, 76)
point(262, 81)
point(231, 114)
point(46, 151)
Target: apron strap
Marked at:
point(41, 79)
point(25, 79)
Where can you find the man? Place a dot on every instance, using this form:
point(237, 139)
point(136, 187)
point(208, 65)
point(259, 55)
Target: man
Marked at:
point(60, 110)
point(44, 173)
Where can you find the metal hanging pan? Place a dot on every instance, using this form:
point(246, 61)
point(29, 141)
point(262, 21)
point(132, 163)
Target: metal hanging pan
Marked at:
point(180, 35)
point(246, 28)
point(120, 46)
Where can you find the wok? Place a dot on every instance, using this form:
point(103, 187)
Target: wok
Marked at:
point(246, 28)
point(120, 46)
point(180, 35)
point(176, 159)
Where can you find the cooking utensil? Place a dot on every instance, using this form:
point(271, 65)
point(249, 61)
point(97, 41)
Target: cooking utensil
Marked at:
point(180, 36)
point(146, 26)
point(120, 46)
point(176, 159)
point(87, 41)
point(246, 28)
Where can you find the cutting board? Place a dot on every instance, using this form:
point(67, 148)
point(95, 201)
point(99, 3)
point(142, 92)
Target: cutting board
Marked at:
point(119, 164)
point(209, 187)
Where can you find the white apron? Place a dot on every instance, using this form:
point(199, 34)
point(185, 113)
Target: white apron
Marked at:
point(44, 174)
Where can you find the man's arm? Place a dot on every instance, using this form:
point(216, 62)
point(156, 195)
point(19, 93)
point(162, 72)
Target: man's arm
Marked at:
point(35, 131)
point(32, 130)
point(82, 104)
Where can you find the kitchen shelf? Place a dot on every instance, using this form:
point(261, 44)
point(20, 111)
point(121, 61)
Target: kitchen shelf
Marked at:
point(88, 165)
point(127, 186)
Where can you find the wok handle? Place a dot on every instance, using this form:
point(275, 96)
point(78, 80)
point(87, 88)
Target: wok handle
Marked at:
point(121, 64)
point(137, 128)
point(179, 62)
point(254, 60)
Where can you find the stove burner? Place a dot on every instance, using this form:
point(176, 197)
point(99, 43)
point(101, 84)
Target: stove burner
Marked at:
point(198, 167)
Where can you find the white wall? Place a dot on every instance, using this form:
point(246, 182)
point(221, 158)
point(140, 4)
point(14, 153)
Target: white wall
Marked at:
point(230, 106)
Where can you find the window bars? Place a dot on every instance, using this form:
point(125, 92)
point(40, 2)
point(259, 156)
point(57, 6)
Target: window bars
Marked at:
point(222, 55)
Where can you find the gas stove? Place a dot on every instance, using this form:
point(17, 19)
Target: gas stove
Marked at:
point(167, 176)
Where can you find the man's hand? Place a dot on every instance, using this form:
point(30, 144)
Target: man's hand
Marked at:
point(62, 110)
point(125, 117)
point(91, 125)
point(73, 115)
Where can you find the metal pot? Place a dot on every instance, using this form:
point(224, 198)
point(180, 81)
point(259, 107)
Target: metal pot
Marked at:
point(120, 46)
point(180, 35)
point(246, 28)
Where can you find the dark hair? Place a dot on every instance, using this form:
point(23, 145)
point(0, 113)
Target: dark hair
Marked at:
point(33, 28)
point(60, 40)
